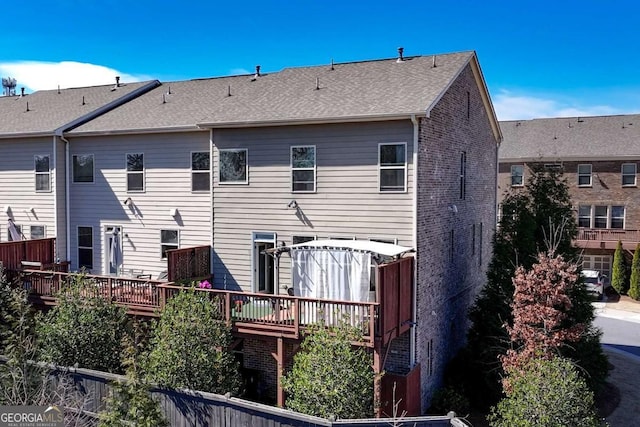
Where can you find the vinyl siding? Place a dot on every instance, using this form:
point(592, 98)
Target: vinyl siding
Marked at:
point(18, 189)
point(167, 164)
point(60, 196)
point(347, 202)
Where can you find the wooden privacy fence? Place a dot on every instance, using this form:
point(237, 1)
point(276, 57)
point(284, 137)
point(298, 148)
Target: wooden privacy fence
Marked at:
point(199, 409)
point(13, 253)
point(189, 263)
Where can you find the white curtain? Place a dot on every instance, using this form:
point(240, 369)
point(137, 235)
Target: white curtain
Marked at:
point(331, 274)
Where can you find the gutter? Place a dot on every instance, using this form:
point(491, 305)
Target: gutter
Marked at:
point(307, 121)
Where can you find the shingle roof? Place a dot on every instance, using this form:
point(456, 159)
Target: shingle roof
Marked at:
point(601, 137)
point(45, 111)
point(348, 91)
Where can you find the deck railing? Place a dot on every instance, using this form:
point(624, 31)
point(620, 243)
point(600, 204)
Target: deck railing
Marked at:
point(247, 313)
point(607, 235)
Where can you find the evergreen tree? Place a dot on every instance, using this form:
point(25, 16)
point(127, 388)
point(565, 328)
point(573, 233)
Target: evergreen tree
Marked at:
point(634, 282)
point(534, 219)
point(619, 275)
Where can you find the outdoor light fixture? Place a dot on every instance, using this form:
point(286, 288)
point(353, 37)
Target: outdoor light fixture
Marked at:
point(173, 212)
point(128, 201)
point(293, 204)
point(7, 209)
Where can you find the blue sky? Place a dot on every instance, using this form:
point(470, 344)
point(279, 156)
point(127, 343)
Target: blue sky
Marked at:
point(540, 59)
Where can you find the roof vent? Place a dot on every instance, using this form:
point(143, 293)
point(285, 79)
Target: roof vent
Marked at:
point(257, 74)
point(332, 67)
point(117, 81)
point(434, 62)
point(400, 54)
point(22, 91)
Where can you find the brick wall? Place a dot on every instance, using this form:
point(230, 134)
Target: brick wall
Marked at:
point(454, 234)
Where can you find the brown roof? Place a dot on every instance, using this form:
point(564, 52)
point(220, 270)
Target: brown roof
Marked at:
point(600, 138)
point(350, 91)
point(46, 111)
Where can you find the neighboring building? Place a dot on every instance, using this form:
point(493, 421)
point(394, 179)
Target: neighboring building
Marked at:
point(599, 157)
point(400, 150)
point(32, 153)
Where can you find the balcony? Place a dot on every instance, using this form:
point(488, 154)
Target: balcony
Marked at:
point(604, 238)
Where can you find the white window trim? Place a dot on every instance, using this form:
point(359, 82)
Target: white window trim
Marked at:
point(36, 173)
point(44, 230)
point(168, 244)
point(194, 171)
point(609, 217)
point(254, 240)
point(311, 237)
point(392, 240)
point(143, 172)
point(590, 175)
point(590, 215)
point(405, 166)
point(511, 176)
point(246, 173)
point(78, 247)
point(73, 171)
point(315, 167)
point(635, 175)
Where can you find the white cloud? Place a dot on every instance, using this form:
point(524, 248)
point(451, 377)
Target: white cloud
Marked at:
point(510, 106)
point(37, 75)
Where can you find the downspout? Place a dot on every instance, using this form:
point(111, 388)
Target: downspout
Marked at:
point(412, 335)
point(211, 201)
point(67, 202)
point(55, 194)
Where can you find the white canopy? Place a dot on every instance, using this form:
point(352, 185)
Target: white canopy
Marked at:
point(385, 249)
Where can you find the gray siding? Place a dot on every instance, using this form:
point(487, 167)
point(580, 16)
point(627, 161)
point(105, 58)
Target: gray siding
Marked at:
point(60, 196)
point(167, 162)
point(346, 203)
point(17, 186)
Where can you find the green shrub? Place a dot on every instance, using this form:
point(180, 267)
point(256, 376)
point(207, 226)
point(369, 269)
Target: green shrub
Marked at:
point(330, 377)
point(546, 393)
point(634, 281)
point(448, 399)
point(619, 274)
point(83, 329)
point(189, 347)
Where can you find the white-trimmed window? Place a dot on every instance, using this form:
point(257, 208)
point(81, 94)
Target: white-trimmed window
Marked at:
point(83, 165)
point(135, 172)
point(517, 175)
point(85, 247)
point(302, 239)
point(303, 169)
point(391, 241)
point(200, 171)
point(463, 175)
point(629, 171)
point(37, 232)
point(169, 239)
point(392, 161)
point(601, 216)
point(584, 175)
point(584, 216)
point(42, 173)
point(232, 166)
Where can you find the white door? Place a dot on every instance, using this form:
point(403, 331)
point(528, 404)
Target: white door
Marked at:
point(112, 250)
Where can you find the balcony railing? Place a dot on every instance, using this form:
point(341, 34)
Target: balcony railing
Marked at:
point(247, 313)
point(606, 238)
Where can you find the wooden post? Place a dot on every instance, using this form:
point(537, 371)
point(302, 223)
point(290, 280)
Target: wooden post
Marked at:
point(279, 370)
point(377, 379)
point(109, 289)
point(227, 308)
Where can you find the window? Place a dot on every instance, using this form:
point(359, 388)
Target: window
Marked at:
point(200, 171)
point(168, 241)
point(451, 245)
point(384, 240)
point(43, 173)
point(617, 217)
point(135, 172)
point(584, 175)
point(83, 168)
point(392, 159)
point(584, 216)
point(430, 357)
point(480, 245)
point(302, 239)
point(303, 169)
point(85, 247)
point(463, 175)
point(517, 175)
point(629, 174)
point(233, 166)
point(600, 217)
point(37, 232)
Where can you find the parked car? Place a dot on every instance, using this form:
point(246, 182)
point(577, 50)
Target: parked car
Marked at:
point(594, 281)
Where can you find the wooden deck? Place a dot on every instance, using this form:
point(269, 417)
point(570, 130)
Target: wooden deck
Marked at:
point(601, 238)
point(247, 313)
